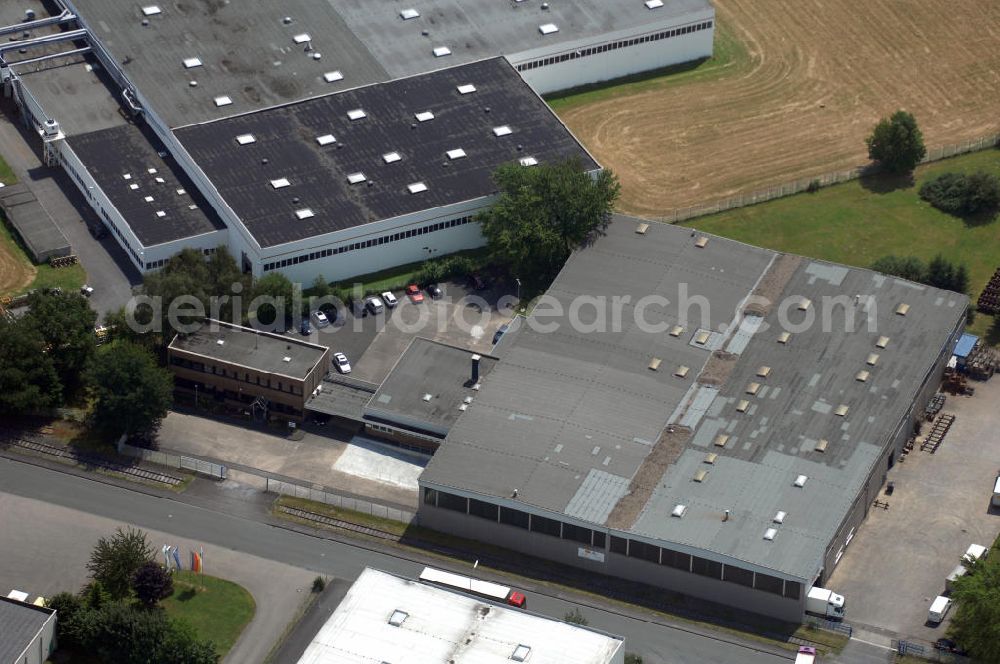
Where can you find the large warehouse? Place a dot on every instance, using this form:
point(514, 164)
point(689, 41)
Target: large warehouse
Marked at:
point(727, 447)
point(314, 139)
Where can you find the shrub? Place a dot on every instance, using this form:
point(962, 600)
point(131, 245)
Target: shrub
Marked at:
point(151, 583)
point(813, 187)
point(960, 194)
point(633, 658)
point(576, 618)
point(318, 584)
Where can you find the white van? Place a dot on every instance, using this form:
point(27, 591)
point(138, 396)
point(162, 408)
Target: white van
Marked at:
point(939, 609)
point(975, 552)
point(996, 492)
point(956, 574)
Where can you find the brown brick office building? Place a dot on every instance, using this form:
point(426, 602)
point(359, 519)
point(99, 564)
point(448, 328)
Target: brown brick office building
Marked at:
point(266, 374)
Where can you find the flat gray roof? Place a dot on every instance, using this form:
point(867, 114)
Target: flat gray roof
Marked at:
point(342, 396)
point(570, 418)
point(37, 229)
point(476, 29)
point(431, 368)
point(19, 623)
point(244, 346)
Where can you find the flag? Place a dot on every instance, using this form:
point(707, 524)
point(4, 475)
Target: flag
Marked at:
point(177, 558)
point(195, 562)
point(166, 555)
point(201, 559)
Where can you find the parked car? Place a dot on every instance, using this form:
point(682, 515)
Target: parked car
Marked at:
point(477, 282)
point(389, 299)
point(434, 291)
point(86, 290)
point(414, 293)
point(340, 361)
point(498, 335)
point(949, 645)
point(374, 305)
point(320, 318)
point(305, 328)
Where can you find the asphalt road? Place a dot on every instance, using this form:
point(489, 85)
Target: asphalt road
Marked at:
point(657, 643)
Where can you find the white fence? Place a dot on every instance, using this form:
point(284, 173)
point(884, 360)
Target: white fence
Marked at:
point(206, 468)
point(284, 488)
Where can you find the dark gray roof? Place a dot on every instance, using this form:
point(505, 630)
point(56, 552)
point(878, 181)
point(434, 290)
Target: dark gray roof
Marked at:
point(568, 418)
point(428, 368)
point(287, 137)
point(111, 154)
point(475, 29)
point(342, 396)
point(19, 623)
point(247, 53)
point(261, 351)
point(37, 229)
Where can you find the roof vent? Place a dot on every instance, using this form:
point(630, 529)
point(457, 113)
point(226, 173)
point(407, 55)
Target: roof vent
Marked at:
point(148, 199)
point(654, 363)
point(800, 481)
point(764, 371)
point(821, 445)
point(356, 114)
point(221, 342)
point(150, 10)
point(753, 388)
point(780, 517)
point(333, 76)
point(467, 400)
point(502, 130)
point(861, 376)
point(654, 4)
point(428, 397)
point(424, 116)
point(784, 337)
point(548, 28)
point(161, 213)
point(468, 88)
point(676, 331)
point(642, 228)
point(679, 510)
point(872, 359)
point(391, 157)
point(700, 475)
point(280, 183)
point(398, 618)
point(902, 309)
point(521, 653)
point(408, 14)
point(770, 533)
point(302, 38)
point(191, 63)
point(286, 358)
point(882, 342)
point(841, 410)
point(441, 51)
point(804, 304)
point(682, 371)
point(702, 338)
point(223, 100)
point(416, 187)
point(711, 457)
point(742, 406)
point(304, 213)
point(356, 178)
point(529, 161)
point(326, 139)
point(458, 153)
point(701, 242)
point(463, 407)
point(721, 440)
point(127, 176)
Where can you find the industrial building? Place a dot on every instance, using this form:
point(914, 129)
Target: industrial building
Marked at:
point(27, 631)
point(328, 139)
point(261, 373)
point(388, 618)
point(727, 448)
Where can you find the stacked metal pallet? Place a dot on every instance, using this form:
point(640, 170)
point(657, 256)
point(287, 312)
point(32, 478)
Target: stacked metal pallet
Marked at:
point(934, 439)
point(989, 299)
point(934, 406)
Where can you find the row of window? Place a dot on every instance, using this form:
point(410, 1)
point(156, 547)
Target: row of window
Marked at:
point(395, 237)
point(625, 43)
point(152, 265)
point(235, 375)
point(619, 545)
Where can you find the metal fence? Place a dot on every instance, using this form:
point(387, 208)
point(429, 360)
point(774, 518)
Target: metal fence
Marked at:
point(284, 488)
point(832, 626)
point(927, 651)
point(206, 468)
point(817, 182)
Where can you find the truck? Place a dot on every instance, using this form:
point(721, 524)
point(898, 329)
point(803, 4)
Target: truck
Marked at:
point(995, 502)
point(487, 589)
point(806, 655)
point(826, 603)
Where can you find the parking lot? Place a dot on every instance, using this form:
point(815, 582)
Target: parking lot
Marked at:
point(897, 563)
point(373, 343)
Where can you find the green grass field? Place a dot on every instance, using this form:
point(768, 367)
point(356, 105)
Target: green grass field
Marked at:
point(6, 173)
point(855, 224)
point(217, 609)
point(69, 278)
point(729, 56)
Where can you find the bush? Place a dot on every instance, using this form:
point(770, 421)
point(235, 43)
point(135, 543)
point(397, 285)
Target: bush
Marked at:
point(940, 272)
point(318, 584)
point(960, 194)
point(576, 618)
point(632, 658)
point(813, 187)
point(152, 583)
point(448, 267)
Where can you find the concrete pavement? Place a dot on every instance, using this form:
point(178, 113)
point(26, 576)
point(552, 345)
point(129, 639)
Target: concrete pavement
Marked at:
point(657, 641)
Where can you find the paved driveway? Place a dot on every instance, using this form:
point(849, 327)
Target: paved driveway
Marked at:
point(897, 563)
point(45, 547)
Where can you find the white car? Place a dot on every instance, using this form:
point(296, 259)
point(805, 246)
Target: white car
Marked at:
point(320, 318)
point(86, 290)
point(389, 299)
point(343, 366)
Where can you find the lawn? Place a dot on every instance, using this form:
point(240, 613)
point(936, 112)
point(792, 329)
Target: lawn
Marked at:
point(69, 278)
point(858, 222)
point(217, 609)
point(397, 278)
point(6, 173)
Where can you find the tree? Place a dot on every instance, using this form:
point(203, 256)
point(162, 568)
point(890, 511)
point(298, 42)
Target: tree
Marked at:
point(280, 290)
point(905, 267)
point(940, 273)
point(961, 194)
point(28, 379)
point(982, 193)
point(115, 561)
point(320, 287)
point(132, 393)
point(543, 213)
point(65, 323)
point(976, 621)
point(896, 143)
point(151, 583)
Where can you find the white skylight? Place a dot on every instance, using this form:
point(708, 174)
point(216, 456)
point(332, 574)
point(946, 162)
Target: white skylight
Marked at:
point(302, 38)
point(770, 533)
point(407, 14)
point(356, 114)
point(780, 517)
point(326, 139)
point(150, 10)
point(159, 180)
point(654, 4)
point(246, 139)
point(468, 88)
point(161, 213)
point(148, 199)
point(679, 511)
point(127, 176)
point(280, 183)
point(548, 28)
point(502, 130)
point(333, 76)
point(390, 157)
point(181, 192)
point(356, 178)
point(424, 116)
point(223, 100)
point(133, 186)
point(441, 51)
point(456, 154)
point(304, 213)
point(151, 171)
point(529, 161)
point(417, 187)
point(800, 481)
point(190, 63)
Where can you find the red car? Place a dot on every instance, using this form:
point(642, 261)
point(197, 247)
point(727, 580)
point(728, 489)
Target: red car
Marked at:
point(413, 292)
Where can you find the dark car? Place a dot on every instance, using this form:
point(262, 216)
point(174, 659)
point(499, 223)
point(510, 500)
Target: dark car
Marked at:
point(477, 282)
point(949, 645)
point(305, 327)
point(434, 291)
point(498, 335)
